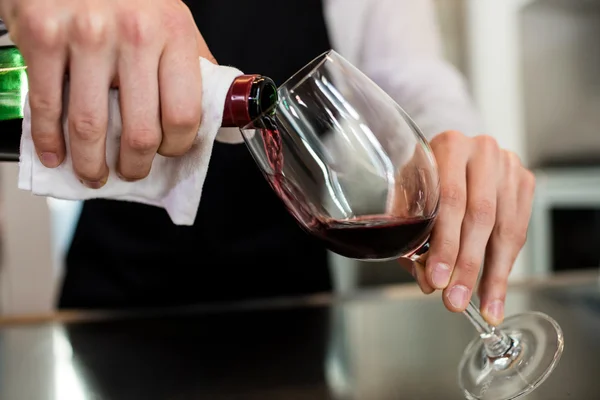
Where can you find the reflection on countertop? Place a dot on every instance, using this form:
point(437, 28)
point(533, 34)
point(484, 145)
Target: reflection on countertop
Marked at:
point(377, 345)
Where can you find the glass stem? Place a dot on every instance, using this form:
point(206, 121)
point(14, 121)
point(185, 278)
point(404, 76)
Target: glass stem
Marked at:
point(496, 342)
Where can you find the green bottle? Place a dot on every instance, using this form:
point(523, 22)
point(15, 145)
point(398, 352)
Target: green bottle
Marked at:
point(13, 83)
point(13, 88)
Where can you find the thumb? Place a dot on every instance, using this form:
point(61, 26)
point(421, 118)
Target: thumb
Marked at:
point(417, 269)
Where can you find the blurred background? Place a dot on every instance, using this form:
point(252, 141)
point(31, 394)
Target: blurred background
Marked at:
point(533, 68)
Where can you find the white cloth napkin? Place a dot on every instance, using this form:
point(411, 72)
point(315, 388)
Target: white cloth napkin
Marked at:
point(174, 184)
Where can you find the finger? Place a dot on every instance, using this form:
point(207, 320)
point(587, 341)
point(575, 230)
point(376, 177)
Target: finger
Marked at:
point(452, 151)
point(503, 246)
point(418, 272)
point(90, 72)
point(526, 195)
point(138, 95)
point(43, 45)
point(478, 223)
point(417, 269)
point(180, 86)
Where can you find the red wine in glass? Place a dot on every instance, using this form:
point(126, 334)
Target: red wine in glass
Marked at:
point(371, 237)
point(329, 113)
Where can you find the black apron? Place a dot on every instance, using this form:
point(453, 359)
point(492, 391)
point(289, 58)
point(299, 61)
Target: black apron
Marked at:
point(244, 244)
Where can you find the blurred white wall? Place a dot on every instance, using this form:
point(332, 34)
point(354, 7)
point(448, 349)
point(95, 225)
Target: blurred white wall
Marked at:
point(561, 79)
point(533, 66)
point(452, 20)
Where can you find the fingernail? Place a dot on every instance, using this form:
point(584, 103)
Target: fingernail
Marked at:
point(440, 275)
point(458, 296)
point(495, 311)
point(94, 184)
point(49, 160)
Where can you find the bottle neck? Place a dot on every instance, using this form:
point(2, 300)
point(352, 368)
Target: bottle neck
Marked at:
point(248, 98)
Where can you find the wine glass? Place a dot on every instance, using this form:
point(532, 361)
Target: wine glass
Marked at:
point(357, 174)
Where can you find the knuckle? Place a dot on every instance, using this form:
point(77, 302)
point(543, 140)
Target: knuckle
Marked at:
point(45, 105)
point(46, 140)
point(450, 136)
point(453, 195)
point(469, 267)
point(511, 160)
point(137, 28)
point(181, 120)
point(143, 141)
point(448, 139)
point(520, 238)
point(177, 21)
point(508, 233)
point(449, 249)
point(529, 180)
point(90, 29)
point(87, 127)
point(482, 211)
point(45, 30)
point(486, 143)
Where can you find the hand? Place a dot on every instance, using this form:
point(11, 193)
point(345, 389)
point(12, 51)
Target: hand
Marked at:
point(150, 47)
point(485, 206)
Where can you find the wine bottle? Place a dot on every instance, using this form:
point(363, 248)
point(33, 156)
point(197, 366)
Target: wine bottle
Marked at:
point(248, 97)
point(13, 87)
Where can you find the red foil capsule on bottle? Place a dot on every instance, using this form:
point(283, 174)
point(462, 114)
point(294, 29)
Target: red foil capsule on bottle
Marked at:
point(235, 111)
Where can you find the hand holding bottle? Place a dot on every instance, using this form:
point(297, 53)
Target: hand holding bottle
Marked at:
point(150, 48)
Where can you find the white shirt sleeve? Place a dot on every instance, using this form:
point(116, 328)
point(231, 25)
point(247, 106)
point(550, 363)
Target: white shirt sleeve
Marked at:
point(399, 47)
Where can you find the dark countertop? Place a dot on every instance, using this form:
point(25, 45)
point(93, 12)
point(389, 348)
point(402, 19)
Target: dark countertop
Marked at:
point(379, 345)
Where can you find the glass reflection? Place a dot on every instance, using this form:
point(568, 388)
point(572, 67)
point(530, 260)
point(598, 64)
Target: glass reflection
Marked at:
point(68, 382)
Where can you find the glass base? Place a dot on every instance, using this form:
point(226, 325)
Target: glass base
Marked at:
point(537, 344)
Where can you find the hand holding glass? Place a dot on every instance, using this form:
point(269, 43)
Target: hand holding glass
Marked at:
point(357, 173)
